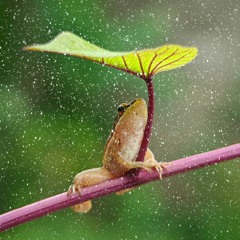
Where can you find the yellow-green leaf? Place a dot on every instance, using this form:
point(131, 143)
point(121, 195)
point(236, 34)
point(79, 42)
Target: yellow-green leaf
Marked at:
point(143, 63)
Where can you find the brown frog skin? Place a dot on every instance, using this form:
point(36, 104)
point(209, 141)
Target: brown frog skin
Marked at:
point(120, 152)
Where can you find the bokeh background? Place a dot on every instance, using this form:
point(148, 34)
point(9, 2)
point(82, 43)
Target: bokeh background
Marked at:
point(56, 113)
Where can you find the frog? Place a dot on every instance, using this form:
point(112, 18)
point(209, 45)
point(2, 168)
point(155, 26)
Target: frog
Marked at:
point(120, 153)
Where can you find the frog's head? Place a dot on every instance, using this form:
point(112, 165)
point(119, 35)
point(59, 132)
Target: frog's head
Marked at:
point(128, 110)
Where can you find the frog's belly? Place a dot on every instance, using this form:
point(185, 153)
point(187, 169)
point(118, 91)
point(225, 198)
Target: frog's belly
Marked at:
point(130, 150)
point(117, 161)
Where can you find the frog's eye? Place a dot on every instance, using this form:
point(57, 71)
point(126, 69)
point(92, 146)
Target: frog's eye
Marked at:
point(121, 108)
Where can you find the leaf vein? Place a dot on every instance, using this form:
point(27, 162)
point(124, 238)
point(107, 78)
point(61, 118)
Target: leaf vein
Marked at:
point(150, 64)
point(140, 63)
point(172, 61)
point(124, 62)
point(153, 71)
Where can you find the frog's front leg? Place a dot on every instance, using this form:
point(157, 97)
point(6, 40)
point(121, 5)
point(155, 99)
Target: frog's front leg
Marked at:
point(149, 163)
point(88, 178)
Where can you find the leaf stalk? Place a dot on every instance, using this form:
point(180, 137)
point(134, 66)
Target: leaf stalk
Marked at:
point(148, 128)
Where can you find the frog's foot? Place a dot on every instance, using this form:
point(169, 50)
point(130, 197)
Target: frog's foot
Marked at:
point(81, 207)
point(159, 166)
point(73, 189)
point(153, 163)
point(149, 165)
point(85, 179)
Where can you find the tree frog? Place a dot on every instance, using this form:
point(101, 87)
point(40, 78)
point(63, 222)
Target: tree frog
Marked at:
point(120, 152)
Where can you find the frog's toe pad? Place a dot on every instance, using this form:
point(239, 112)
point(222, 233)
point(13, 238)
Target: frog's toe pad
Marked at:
point(74, 189)
point(159, 168)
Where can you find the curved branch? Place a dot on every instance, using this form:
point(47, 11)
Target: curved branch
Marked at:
point(60, 201)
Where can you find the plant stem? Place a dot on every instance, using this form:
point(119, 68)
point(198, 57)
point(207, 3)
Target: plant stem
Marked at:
point(148, 128)
point(55, 203)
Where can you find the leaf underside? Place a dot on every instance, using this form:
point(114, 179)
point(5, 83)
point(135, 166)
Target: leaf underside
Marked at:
point(143, 63)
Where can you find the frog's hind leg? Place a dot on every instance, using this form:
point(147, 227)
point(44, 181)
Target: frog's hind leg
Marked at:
point(84, 179)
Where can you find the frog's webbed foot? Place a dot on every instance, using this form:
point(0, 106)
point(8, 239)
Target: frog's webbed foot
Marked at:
point(72, 190)
point(84, 179)
point(78, 183)
point(75, 188)
point(81, 207)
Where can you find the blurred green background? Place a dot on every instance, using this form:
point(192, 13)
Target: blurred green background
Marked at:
point(56, 113)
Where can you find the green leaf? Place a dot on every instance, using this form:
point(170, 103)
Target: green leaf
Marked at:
point(143, 63)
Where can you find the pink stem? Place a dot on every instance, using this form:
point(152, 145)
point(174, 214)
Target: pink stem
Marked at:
point(148, 129)
point(55, 203)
